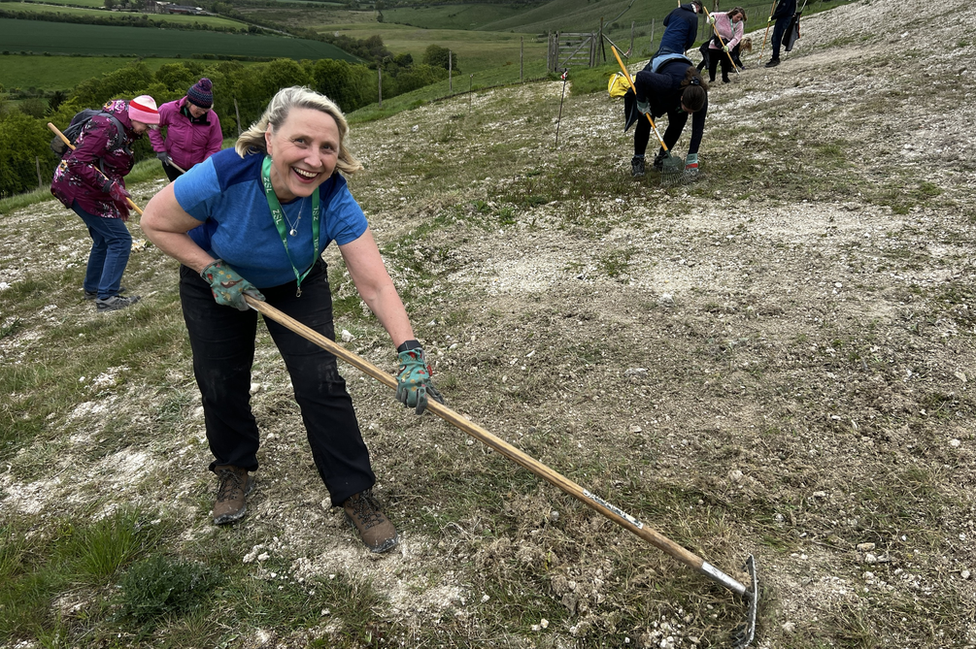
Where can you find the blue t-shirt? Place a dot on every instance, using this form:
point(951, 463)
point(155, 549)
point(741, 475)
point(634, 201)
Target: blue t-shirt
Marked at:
point(226, 193)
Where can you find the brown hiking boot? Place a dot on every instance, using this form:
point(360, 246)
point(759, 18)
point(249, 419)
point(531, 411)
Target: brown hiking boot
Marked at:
point(235, 485)
point(375, 529)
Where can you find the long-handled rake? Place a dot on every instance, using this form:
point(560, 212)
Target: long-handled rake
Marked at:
point(672, 167)
point(768, 23)
point(722, 42)
point(742, 636)
point(176, 166)
point(71, 146)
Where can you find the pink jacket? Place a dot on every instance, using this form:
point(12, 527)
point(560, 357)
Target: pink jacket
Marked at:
point(730, 33)
point(188, 142)
point(100, 157)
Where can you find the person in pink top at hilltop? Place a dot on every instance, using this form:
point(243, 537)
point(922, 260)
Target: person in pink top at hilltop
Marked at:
point(192, 130)
point(89, 181)
point(730, 27)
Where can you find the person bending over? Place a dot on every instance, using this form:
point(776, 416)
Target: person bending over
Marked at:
point(254, 220)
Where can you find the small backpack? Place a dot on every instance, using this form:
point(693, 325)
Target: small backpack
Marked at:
point(77, 125)
point(618, 86)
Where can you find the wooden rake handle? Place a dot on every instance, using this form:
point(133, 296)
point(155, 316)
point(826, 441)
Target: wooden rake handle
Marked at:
point(772, 9)
point(176, 166)
point(541, 470)
point(72, 147)
point(613, 48)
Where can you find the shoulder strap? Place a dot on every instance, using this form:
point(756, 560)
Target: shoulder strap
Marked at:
point(120, 137)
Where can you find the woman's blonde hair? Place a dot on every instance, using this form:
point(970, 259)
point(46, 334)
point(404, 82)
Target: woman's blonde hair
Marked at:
point(252, 140)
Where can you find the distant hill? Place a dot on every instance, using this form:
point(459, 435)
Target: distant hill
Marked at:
point(557, 15)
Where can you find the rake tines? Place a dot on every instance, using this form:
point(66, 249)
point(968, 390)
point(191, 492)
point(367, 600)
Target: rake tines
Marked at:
point(745, 633)
point(672, 170)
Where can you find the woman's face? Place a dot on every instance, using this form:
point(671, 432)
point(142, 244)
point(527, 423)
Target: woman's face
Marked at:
point(196, 111)
point(736, 17)
point(304, 151)
point(140, 127)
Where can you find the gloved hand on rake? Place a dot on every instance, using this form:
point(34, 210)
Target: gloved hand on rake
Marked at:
point(710, 20)
point(119, 196)
point(227, 286)
point(164, 157)
point(691, 168)
point(413, 379)
point(644, 106)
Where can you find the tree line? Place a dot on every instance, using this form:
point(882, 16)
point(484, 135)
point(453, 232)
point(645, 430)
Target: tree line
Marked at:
point(241, 93)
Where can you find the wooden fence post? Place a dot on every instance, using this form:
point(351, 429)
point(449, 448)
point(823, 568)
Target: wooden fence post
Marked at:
point(238, 113)
point(603, 49)
point(521, 58)
point(379, 81)
point(37, 161)
point(450, 72)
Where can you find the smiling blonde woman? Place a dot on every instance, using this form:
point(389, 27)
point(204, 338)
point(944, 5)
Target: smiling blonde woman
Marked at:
point(255, 220)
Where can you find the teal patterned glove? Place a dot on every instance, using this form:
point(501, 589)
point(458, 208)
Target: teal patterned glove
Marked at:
point(413, 381)
point(227, 286)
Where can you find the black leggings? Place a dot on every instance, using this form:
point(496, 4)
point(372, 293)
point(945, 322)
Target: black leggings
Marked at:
point(222, 340)
point(718, 56)
point(642, 130)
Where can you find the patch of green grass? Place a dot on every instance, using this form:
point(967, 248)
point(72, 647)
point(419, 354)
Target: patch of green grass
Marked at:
point(68, 557)
point(616, 262)
point(100, 549)
point(11, 327)
point(159, 587)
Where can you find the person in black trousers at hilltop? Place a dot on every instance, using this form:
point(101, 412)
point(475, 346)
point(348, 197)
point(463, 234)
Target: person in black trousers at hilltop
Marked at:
point(782, 14)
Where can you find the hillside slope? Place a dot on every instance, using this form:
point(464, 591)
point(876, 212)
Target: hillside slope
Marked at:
point(773, 361)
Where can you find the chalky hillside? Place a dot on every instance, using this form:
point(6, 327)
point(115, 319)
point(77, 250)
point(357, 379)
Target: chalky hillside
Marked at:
point(775, 360)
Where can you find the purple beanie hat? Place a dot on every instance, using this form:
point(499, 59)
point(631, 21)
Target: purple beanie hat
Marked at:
point(201, 93)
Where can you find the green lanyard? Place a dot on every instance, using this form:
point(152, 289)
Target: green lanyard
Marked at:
point(279, 220)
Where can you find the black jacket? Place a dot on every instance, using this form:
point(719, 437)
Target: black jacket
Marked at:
point(785, 9)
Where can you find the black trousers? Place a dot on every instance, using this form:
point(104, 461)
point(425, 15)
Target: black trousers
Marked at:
point(642, 130)
point(171, 172)
point(222, 341)
point(718, 56)
point(779, 30)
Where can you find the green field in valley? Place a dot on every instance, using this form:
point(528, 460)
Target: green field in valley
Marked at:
point(64, 72)
point(177, 20)
point(467, 16)
point(75, 3)
point(476, 51)
point(64, 38)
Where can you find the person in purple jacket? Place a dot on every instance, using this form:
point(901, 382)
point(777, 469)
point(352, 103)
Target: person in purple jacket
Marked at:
point(89, 181)
point(192, 130)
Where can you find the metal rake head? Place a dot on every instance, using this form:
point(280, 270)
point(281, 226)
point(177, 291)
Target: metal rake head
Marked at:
point(672, 170)
point(745, 633)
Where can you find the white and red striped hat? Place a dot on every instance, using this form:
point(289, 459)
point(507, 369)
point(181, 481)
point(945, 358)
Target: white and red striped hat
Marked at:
point(143, 109)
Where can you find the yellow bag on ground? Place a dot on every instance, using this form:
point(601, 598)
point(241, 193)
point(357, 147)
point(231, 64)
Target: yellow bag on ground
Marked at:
point(618, 85)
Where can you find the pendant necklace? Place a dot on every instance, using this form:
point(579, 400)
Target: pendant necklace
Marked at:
point(279, 218)
point(294, 227)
